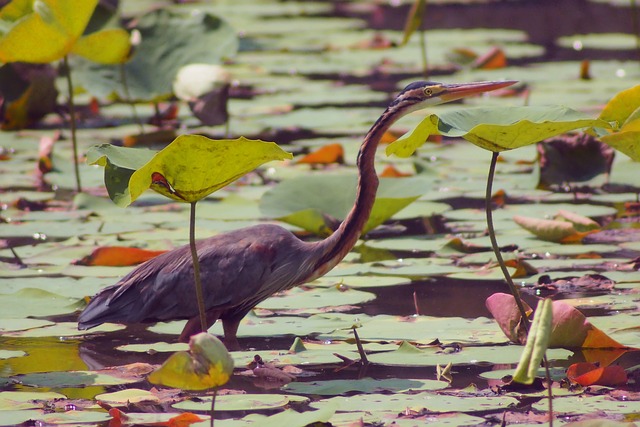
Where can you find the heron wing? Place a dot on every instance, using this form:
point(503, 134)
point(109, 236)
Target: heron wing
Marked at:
point(236, 268)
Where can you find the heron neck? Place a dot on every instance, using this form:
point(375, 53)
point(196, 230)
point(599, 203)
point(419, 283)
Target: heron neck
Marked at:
point(334, 248)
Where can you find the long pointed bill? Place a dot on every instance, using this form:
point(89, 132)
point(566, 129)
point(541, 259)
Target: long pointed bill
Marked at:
point(452, 92)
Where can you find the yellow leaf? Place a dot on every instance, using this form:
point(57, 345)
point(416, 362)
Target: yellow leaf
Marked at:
point(207, 364)
point(194, 166)
point(16, 9)
point(32, 40)
point(47, 34)
point(621, 106)
point(110, 46)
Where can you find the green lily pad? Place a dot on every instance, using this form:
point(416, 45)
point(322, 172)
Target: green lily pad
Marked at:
point(298, 298)
point(18, 400)
point(125, 397)
point(71, 379)
point(408, 355)
point(242, 402)
point(587, 404)
point(417, 402)
point(363, 385)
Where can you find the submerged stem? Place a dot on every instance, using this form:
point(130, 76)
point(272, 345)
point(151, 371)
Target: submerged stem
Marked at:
point(494, 242)
point(196, 268)
point(72, 124)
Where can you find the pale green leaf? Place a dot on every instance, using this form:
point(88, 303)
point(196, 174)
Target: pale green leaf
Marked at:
point(537, 343)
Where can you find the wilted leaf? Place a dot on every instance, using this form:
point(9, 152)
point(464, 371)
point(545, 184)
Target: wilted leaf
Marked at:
point(536, 345)
point(496, 128)
point(573, 158)
point(587, 374)
point(570, 328)
point(506, 313)
point(207, 364)
point(550, 230)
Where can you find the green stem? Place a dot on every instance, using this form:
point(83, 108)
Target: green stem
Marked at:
point(549, 391)
point(494, 242)
point(72, 123)
point(213, 406)
point(196, 268)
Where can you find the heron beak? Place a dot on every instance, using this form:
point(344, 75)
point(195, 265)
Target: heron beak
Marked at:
point(452, 92)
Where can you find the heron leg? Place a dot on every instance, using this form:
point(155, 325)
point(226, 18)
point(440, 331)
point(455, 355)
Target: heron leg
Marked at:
point(230, 327)
point(193, 326)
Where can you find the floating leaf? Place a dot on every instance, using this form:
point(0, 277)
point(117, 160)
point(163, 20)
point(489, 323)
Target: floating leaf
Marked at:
point(496, 128)
point(207, 364)
point(363, 385)
point(536, 346)
point(551, 230)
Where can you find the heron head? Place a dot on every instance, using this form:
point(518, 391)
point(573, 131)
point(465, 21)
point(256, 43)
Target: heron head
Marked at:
point(421, 94)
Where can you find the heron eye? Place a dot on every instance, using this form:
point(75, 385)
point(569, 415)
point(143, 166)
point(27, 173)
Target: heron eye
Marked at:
point(428, 91)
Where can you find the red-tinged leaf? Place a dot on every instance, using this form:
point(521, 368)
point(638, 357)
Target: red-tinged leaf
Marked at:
point(587, 374)
point(118, 256)
point(505, 311)
point(391, 172)
point(570, 328)
point(331, 153)
point(492, 60)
